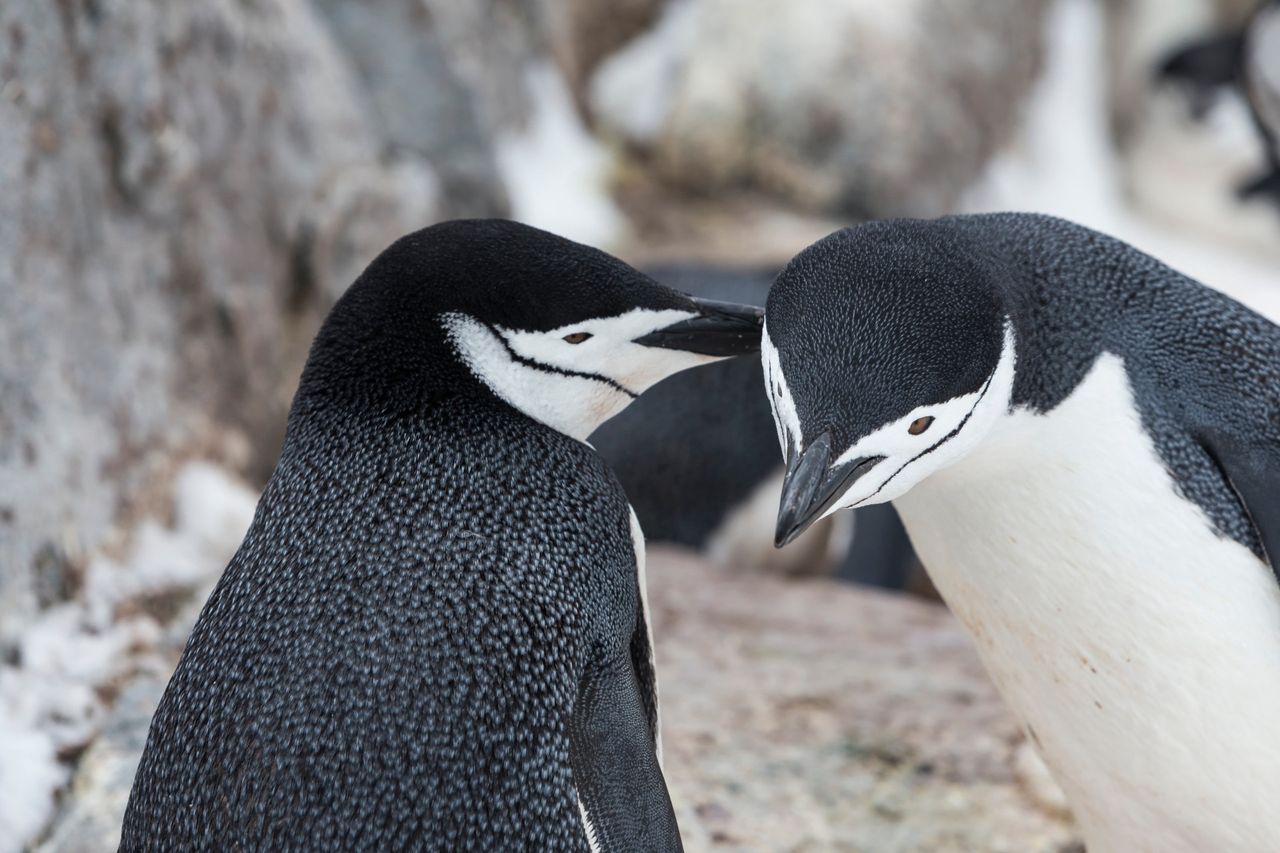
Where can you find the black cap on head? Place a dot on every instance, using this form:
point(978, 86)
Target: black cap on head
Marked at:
point(876, 320)
point(388, 341)
point(883, 341)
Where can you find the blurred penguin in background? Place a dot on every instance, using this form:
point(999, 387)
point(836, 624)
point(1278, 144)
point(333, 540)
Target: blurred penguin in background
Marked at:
point(1262, 75)
point(1242, 63)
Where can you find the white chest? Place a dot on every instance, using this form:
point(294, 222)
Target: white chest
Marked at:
point(1141, 650)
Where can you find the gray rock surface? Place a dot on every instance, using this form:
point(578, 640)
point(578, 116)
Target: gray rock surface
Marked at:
point(187, 188)
point(869, 109)
point(443, 79)
point(806, 715)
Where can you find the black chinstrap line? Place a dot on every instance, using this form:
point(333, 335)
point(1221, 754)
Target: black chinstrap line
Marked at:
point(939, 442)
point(551, 368)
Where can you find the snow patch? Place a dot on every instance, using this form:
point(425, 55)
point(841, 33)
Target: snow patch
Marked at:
point(29, 774)
point(51, 698)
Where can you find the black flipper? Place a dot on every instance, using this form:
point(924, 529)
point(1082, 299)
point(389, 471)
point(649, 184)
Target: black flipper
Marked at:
point(615, 763)
point(1254, 472)
point(1266, 185)
point(1206, 63)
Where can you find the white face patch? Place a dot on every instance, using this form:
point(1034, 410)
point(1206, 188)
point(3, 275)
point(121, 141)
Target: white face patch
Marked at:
point(785, 419)
point(571, 387)
point(959, 424)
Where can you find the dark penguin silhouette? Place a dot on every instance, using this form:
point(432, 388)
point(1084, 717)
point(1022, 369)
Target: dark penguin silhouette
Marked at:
point(1084, 446)
point(699, 449)
point(1245, 60)
point(433, 636)
point(1262, 76)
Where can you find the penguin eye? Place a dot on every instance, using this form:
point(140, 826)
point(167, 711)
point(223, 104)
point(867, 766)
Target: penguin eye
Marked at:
point(577, 337)
point(919, 425)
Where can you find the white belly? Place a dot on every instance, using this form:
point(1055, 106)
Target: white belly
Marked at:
point(1140, 650)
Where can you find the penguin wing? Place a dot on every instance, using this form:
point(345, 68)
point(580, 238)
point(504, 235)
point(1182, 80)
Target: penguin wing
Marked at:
point(1253, 468)
point(623, 796)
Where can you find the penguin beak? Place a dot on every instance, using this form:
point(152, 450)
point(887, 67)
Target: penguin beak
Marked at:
point(810, 487)
point(720, 329)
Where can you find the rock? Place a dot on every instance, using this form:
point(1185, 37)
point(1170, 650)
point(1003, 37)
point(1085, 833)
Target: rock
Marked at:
point(188, 188)
point(417, 103)
point(851, 107)
point(807, 715)
point(491, 44)
point(125, 628)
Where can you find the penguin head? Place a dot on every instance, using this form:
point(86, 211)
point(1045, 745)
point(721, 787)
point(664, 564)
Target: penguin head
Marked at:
point(562, 332)
point(887, 356)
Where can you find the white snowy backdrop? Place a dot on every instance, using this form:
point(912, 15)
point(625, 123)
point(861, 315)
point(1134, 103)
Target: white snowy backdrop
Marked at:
point(164, 258)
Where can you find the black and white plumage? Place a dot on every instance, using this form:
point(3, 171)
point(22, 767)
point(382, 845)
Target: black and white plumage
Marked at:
point(434, 634)
point(1085, 448)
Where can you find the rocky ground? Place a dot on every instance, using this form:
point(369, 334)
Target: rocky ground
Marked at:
point(807, 715)
point(797, 714)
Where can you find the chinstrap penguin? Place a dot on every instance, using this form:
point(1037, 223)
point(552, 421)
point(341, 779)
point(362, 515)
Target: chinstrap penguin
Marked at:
point(434, 634)
point(1085, 448)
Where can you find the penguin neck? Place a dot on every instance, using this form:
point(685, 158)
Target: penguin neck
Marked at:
point(1066, 290)
point(362, 382)
point(385, 372)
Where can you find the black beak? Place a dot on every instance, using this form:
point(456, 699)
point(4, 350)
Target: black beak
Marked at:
point(721, 329)
point(810, 487)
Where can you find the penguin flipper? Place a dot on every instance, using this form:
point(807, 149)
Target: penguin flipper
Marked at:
point(1266, 185)
point(615, 764)
point(1254, 472)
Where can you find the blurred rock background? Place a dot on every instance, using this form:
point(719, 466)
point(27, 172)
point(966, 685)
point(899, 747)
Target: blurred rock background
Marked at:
point(188, 186)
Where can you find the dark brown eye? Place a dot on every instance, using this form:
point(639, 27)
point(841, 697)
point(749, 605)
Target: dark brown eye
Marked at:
point(577, 337)
point(919, 425)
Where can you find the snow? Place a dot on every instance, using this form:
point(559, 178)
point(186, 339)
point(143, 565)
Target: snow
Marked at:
point(1064, 164)
point(556, 173)
point(49, 699)
point(29, 773)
